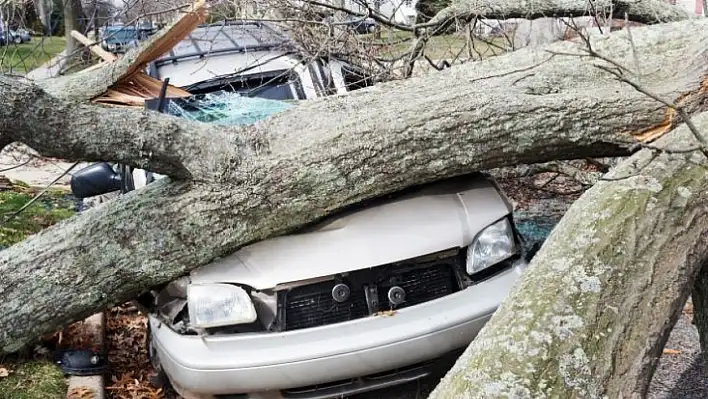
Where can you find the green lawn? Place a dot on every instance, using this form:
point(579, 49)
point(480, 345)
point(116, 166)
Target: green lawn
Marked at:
point(21, 58)
point(393, 43)
point(30, 378)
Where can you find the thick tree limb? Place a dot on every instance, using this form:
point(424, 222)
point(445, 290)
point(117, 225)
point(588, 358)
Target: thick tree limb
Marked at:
point(61, 129)
point(595, 308)
point(644, 11)
point(318, 158)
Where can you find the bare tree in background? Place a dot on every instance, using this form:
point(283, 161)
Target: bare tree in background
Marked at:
point(74, 19)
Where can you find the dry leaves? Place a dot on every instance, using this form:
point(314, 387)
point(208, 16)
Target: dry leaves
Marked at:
point(671, 351)
point(81, 393)
point(4, 372)
point(126, 333)
point(386, 313)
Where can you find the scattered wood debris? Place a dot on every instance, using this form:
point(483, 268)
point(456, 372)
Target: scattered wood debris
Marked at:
point(134, 86)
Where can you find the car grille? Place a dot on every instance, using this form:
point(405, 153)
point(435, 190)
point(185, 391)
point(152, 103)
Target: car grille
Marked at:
point(421, 285)
point(312, 305)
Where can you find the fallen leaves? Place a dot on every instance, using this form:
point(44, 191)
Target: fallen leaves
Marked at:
point(4, 372)
point(81, 393)
point(131, 369)
point(386, 313)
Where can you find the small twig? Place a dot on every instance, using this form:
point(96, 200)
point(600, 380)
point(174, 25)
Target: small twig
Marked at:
point(16, 166)
point(528, 68)
point(36, 197)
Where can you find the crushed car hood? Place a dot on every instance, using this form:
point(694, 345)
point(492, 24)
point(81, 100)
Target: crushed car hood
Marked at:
point(435, 218)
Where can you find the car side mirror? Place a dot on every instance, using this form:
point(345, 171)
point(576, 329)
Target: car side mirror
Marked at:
point(97, 179)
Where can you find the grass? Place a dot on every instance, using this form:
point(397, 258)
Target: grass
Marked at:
point(30, 378)
point(48, 210)
point(22, 58)
point(395, 43)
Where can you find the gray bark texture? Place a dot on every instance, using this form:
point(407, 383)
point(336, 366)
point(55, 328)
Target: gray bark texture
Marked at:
point(645, 11)
point(591, 315)
point(73, 20)
point(236, 185)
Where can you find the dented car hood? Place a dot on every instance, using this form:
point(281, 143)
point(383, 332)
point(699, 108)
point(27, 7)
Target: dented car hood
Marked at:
point(434, 218)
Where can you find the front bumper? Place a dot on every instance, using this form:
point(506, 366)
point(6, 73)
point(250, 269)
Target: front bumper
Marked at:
point(258, 362)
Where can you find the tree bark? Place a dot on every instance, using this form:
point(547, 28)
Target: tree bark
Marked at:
point(644, 11)
point(700, 310)
point(593, 311)
point(43, 8)
point(253, 182)
point(73, 20)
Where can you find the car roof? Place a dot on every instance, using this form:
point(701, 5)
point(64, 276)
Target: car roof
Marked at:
point(227, 36)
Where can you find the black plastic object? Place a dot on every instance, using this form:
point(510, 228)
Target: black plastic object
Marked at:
point(81, 362)
point(532, 251)
point(97, 179)
point(163, 93)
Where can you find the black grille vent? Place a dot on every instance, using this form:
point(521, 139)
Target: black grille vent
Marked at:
point(420, 285)
point(312, 305)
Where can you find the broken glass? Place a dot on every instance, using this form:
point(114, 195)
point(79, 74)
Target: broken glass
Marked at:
point(225, 108)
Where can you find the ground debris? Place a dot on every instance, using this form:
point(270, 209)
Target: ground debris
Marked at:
point(130, 368)
point(81, 393)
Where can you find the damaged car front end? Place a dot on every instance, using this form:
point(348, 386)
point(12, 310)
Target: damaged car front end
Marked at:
point(363, 300)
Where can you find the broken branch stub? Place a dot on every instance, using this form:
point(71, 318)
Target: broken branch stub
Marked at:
point(103, 84)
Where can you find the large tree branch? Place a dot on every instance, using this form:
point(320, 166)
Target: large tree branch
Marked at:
point(148, 140)
point(595, 308)
point(644, 11)
point(308, 162)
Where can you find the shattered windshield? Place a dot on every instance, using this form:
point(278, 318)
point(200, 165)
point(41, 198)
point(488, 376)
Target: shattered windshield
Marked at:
point(225, 108)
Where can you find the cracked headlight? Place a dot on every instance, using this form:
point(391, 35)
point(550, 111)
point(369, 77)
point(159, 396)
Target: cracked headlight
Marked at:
point(215, 305)
point(495, 244)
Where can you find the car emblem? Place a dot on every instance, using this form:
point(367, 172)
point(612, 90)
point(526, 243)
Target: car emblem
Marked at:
point(396, 295)
point(340, 292)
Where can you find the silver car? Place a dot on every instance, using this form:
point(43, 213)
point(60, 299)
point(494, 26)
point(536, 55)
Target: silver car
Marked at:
point(366, 299)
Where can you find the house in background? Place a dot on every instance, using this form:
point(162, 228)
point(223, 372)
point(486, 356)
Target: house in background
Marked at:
point(692, 5)
point(401, 12)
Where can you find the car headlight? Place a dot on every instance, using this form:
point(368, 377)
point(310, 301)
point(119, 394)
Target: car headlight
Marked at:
point(495, 244)
point(214, 305)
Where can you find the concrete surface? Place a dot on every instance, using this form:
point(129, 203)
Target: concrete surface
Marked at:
point(38, 171)
point(49, 69)
point(95, 325)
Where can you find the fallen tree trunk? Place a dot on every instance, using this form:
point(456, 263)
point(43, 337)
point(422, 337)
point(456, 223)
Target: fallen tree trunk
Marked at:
point(592, 313)
point(644, 11)
point(253, 182)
